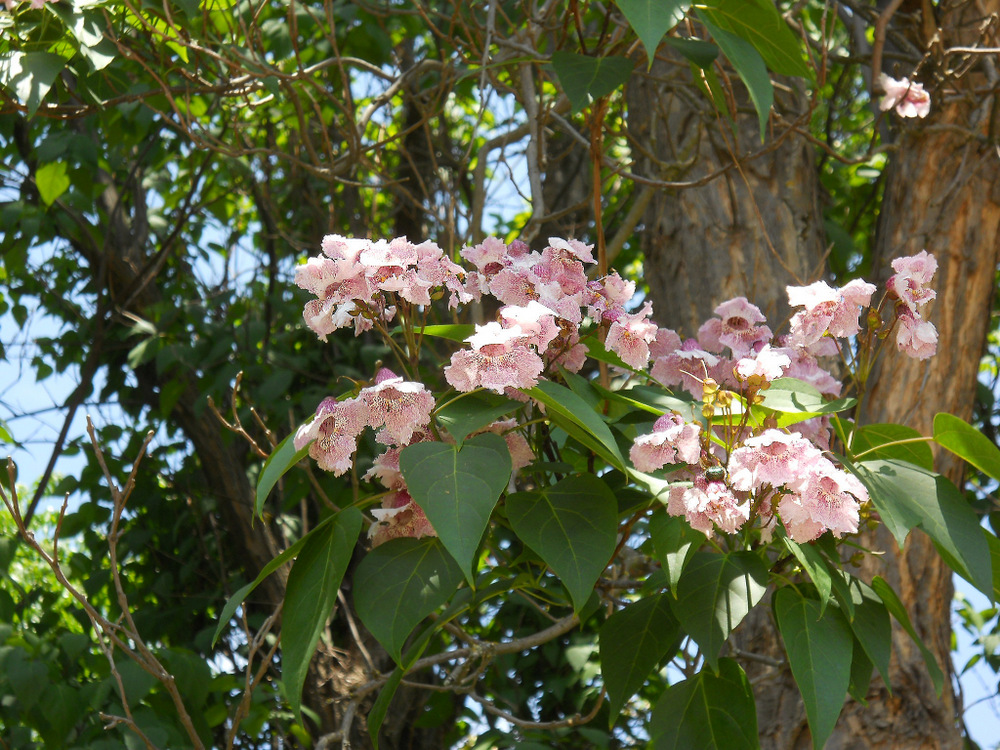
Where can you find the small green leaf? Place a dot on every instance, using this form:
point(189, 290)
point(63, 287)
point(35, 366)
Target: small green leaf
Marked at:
point(569, 411)
point(398, 584)
point(632, 642)
point(675, 543)
point(715, 593)
point(699, 52)
point(968, 443)
point(457, 332)
point(896, 608)
point(242, 593)
point(812, 562)
point(651, 19)
point(310, 596)
point(52, 181)
point(572, 525)
point(706, 712)
point(907, 496)
point(458, 489)
point(586, 79)
point(820, 650)
point(760, 23)
point(282, 458)
point(473, 411)
point(878, 439)
point(791, 396)
point(750, 67)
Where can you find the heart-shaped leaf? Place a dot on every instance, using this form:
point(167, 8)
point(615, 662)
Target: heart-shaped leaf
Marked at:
point(572, 525)
point(458, 489)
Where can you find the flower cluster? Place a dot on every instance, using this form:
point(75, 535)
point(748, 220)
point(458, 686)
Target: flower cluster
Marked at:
point(730, 466)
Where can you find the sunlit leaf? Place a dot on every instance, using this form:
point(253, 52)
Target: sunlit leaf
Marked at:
point(651, 19)
point(968, 443)
point(896, 608)
point(282, 458)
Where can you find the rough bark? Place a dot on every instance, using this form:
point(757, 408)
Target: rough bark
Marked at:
point(749, 232)
point(943, 194)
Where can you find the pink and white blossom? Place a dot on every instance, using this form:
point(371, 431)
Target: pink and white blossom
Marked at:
point(738, 326)
point(400, 406)
point(499, 359)
point(706, 505)
point(399, 517)
point(672, 441)
point(333, 434)
point(629, 336)
point(915, 337)
point(773, 458)
point(827, 310)
point(910, 282)
point(908, 98)
point(767, 364)
point(826, 499)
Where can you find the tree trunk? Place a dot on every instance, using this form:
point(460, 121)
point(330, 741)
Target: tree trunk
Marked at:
point(706, 244)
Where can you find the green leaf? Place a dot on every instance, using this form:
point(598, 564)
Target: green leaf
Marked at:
point(707, 712)
point(654, 400)
point(896, 608)
point(651, 19)
point(474, 411)
point(282, 458)
point(458, 489)
point(968, 443)
point(241, 594)
point(794, 397)
point(861, 674)
point(820, 650)
point(812, 562)
point(456, 332)
point(760, 23)
point(632, 642)
point(572, 526)
point(585, 79)
point(569, 411)
point(991, 541)
point(675, 543)
point(715, 593)
point(30, 75)
point(398, 584)
point(750, 67)
point(699, 52)
point(311, 595)
point(871, 625)
point(52, 181)
point(874, 438)
point(907, 496)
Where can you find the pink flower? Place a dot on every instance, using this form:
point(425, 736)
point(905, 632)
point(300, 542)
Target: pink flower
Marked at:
point(489, 256)
point(910, 281)
point(520, 452)
point(909, 99)
point(686, 367)
point(672, 441)
point(915, 337)
point(499, 359)
point(402, 407)
point(399, 517)
point(630, 335)
point(767, 364)
point(827, 310)
point(611, 293)
point(736, 327)
point(772, 458)
point(333, 434)
point(828, 499)
point(707, 504)
point(574, 248)
point(536, 321)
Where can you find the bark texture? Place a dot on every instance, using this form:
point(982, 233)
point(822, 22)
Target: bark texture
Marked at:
point(942, 194)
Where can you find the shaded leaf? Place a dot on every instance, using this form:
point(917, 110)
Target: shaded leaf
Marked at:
point(715, 593)
point(569, 411)
point(675, 543)
point(871, 625)
point(651, 19)
point(457, 488)
point(812, 562)
point(896, 608)
point(907, 496)
point(310, 596)
point(871, 440)
point(699, 52)
point(585, 79)
point(820, 650)
point(707, 712)
point(572, 526)
point(399, 583)
point(473, 411)
point(760, 23)
point(282, 458)
point(632, 642)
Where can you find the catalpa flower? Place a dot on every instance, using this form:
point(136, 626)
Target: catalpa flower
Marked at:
point(910, 281)
point(706, 504)
point(825, 499)
point(672, 441)
point(630, 335)
point(738, 327)
point(908, 98)
point(333, 434)
point(915, 337)
point(827, 310)
point(772, 458)
point(499, 359)
point(399, 517)
point(400, 406)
